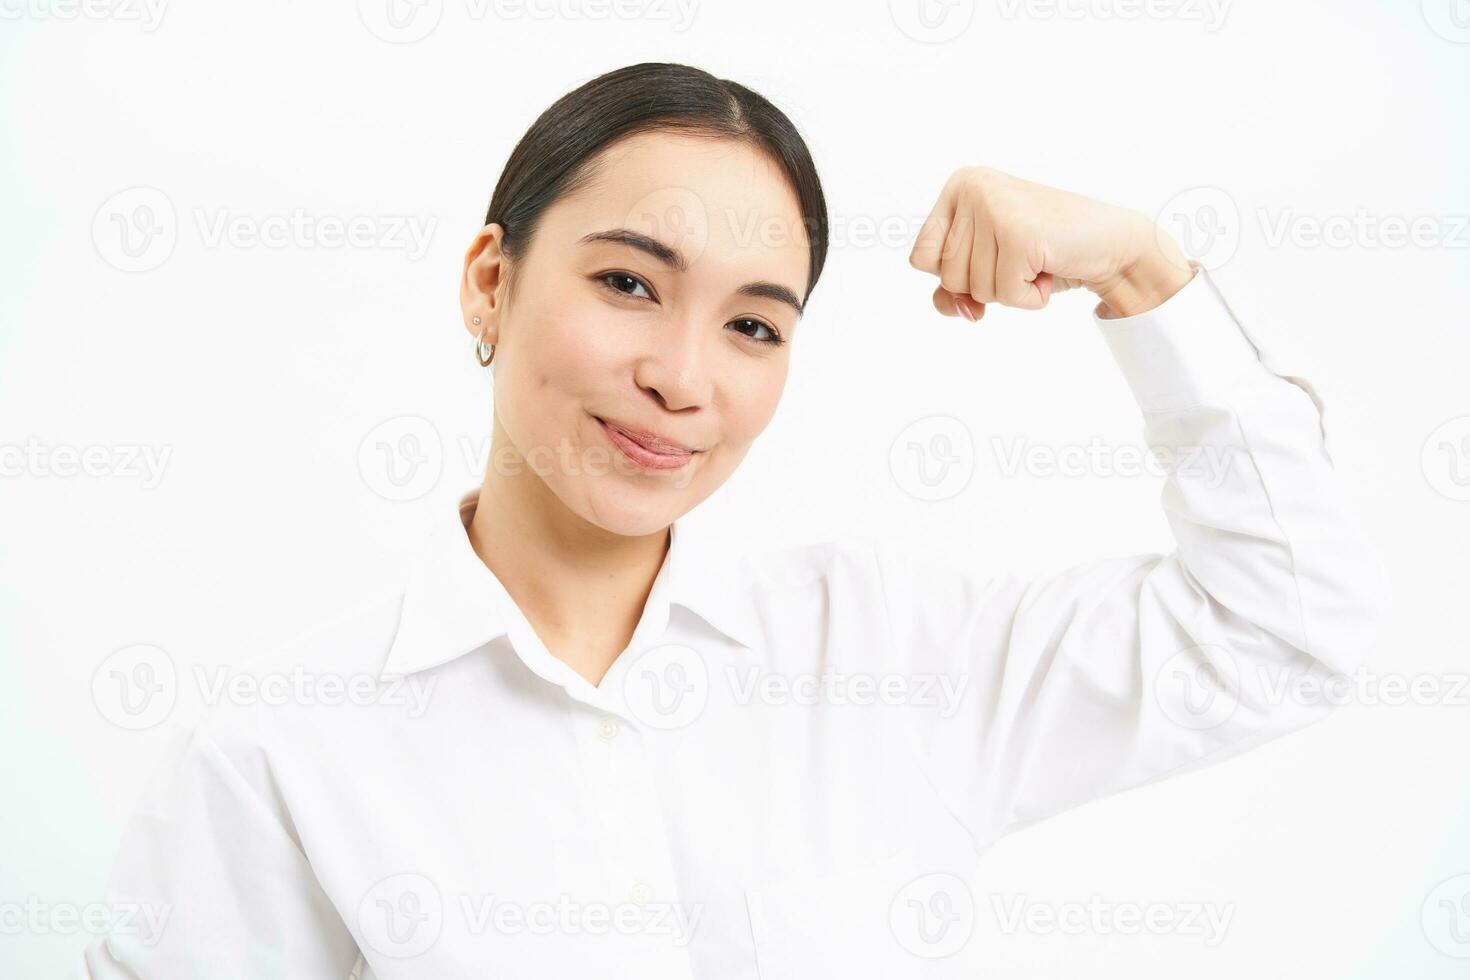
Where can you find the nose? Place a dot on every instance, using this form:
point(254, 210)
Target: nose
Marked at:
point(675, 371)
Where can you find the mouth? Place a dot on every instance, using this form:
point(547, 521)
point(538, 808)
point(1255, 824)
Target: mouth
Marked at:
point(648, 449)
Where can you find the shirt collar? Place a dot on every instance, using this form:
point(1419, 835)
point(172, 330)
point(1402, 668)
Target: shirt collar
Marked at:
point(453, 603)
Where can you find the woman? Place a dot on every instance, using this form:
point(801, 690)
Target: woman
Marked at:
point(591, 746)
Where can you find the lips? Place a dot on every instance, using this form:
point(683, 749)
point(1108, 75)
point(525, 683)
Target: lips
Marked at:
point(647, 449)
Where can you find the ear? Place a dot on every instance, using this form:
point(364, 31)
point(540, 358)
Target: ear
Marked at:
point(482, 285)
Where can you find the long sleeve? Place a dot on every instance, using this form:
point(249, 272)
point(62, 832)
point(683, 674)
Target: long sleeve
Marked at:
point(1120, 672)
point(222, 885)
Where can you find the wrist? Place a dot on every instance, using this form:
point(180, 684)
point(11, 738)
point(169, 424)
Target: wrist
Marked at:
point(1155, 270)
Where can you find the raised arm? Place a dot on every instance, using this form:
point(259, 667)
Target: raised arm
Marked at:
point(1119, 672)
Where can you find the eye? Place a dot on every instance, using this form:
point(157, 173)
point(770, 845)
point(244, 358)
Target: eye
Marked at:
point(773, 336)
point(624, 283)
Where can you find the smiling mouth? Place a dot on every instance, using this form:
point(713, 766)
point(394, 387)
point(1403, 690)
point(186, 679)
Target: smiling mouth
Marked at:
point(647, 449)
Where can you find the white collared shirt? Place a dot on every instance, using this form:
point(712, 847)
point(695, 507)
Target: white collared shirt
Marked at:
point(791, 769)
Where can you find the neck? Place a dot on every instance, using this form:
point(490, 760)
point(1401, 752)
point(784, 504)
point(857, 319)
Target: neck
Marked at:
point(581, 587)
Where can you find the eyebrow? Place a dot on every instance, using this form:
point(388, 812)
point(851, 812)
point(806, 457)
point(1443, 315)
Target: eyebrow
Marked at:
point(675, 260)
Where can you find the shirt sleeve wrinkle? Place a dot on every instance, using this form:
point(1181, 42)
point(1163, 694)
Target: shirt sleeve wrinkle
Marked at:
point(1116, 673)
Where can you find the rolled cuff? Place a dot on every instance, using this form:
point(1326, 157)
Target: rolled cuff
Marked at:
point(1191, 350)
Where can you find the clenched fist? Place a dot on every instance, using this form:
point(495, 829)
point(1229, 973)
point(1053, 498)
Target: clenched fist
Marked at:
point(994, 238)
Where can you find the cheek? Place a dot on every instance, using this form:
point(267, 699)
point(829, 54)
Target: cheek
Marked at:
point(750, 411)
point(568, 348)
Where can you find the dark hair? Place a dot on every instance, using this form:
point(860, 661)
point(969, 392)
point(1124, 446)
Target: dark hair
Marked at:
point(554, 156)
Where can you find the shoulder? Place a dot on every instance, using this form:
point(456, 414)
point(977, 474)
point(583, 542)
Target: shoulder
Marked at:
point(882, 561)
point(247, 705)
point(353, 638)
point(794, 566)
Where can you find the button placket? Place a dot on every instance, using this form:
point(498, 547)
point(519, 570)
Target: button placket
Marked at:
point(637, 864)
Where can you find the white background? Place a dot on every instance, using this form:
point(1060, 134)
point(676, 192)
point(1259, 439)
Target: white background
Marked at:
point(261, 369)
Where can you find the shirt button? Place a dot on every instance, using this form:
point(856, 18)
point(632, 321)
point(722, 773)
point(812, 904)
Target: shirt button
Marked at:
point(642, 894)
point(607, 729)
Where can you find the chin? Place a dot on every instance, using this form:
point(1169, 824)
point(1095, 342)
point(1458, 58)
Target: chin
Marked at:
point(630, 512)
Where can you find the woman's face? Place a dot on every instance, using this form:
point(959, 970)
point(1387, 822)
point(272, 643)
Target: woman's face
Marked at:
point(649, 301)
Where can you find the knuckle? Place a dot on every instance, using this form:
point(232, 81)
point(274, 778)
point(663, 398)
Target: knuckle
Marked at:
point(971, 181)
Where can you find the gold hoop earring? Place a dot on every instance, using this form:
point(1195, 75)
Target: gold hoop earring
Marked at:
point(484, 352)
